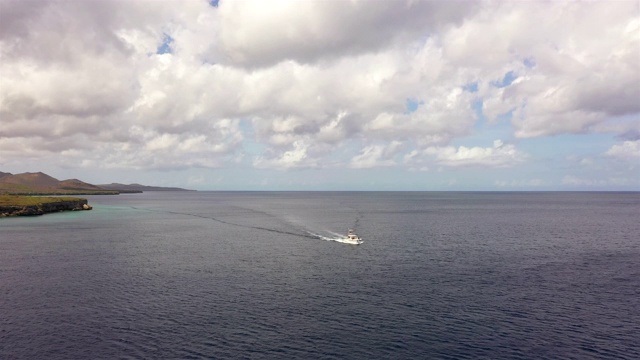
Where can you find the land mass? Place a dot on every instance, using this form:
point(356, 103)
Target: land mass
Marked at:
point(39, 183)
point(20, 194)
point(42, 184)
point(138, 188)
point(15, 205)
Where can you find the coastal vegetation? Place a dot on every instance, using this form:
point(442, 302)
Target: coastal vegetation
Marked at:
point(19, 194)
point(8, 200)
point(33, 193)
point(43, 184)
point(17, 205)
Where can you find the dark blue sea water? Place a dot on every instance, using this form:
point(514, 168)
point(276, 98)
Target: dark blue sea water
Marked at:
point(226, 275)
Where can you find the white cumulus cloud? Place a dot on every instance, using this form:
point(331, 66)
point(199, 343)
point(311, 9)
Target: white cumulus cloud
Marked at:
point(311, 84)
point(626, 150)
point(500, 155)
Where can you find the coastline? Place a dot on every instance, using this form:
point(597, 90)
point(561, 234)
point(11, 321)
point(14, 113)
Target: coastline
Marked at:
point(15, 205)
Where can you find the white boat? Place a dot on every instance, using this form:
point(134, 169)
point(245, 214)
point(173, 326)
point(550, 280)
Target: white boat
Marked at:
point(352, 238)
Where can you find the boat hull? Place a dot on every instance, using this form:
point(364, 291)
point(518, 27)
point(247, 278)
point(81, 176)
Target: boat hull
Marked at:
point(352, 241)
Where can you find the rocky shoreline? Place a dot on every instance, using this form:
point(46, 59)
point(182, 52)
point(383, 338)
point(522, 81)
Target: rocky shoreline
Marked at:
point(50, 206)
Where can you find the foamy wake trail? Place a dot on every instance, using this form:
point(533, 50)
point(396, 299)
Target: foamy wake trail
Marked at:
point(335, 237)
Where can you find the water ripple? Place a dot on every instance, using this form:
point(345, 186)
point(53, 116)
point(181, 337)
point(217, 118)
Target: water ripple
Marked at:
point(446, 276)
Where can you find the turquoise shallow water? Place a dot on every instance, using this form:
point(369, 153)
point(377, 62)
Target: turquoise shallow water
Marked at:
point(241, 275)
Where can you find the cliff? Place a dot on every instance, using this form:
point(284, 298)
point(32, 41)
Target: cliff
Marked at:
point(29, 206)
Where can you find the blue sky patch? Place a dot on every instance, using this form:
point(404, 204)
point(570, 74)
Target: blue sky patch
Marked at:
point(506, 80)
point(412, 105)
point(529, 62)
point(471, 87)
point(165, 47)
point(477, 106)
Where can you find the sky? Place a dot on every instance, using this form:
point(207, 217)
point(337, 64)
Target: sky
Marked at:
point(323, 95)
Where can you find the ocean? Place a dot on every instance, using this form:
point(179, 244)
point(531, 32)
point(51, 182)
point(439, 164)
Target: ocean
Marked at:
point(261, 275)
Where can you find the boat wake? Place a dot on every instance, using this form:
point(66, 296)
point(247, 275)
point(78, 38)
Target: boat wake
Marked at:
point(350, 238)
point(337, 238)
point(283, 232)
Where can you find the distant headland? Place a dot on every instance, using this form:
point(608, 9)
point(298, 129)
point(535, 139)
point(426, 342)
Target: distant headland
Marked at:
point(137, 188)
point(31, 193)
